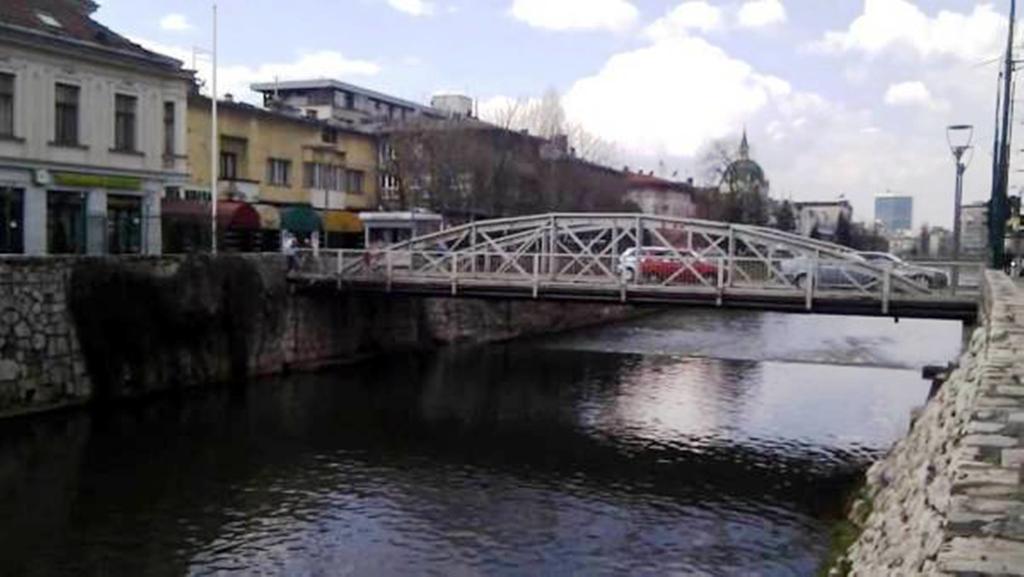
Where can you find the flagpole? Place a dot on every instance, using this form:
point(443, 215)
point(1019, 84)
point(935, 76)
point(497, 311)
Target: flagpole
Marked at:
point(214, 152)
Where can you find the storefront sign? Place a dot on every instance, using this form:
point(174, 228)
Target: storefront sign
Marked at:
point(97, 180)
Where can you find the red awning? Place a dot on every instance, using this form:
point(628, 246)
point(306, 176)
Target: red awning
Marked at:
point(233, 215)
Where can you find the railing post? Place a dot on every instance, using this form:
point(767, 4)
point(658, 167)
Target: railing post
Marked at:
point(732, 255)
point(721, 281)
point(886, 290)
point(341, 265)
point(954, 278)
point(812, 275)
point(552, 242)
point(455, 273)
point(536, 274)
point(387, 262)
point(472, 248)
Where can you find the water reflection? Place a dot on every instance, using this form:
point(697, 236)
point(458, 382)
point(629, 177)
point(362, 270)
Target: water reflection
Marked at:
point(546, 458)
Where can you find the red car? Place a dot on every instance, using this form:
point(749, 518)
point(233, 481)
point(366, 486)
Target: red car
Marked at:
point(687, 266)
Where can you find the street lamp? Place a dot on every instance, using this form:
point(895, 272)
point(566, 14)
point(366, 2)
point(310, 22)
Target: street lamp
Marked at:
point(959, 138)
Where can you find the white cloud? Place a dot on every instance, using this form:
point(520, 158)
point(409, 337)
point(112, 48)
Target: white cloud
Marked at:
point(898, 24)
point(413, 7)
point(235, 79)
point(912, 93)
point(575, 14)
point(696, 15)
point(759, 13)
point(175, 23)
point(672, 96)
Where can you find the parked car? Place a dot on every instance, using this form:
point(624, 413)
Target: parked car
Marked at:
point(831, 273)
point(929, 277)
point(662, 263)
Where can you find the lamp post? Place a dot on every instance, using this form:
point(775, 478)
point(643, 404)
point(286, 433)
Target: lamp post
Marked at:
point(959, 138)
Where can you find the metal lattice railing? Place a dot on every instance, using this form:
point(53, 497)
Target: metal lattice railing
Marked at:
point(625, 253)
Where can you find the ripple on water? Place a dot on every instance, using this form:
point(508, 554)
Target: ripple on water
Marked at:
point(615, 451)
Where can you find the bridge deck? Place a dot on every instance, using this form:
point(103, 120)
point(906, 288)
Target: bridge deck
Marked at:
point(962, 306)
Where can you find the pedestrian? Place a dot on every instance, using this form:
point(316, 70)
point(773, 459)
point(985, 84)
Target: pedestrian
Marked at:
point(289, 249)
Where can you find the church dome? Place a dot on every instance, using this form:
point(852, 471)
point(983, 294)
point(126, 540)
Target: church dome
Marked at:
point(744, 174)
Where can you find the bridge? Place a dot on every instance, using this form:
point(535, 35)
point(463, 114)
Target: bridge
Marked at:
point(646, 259)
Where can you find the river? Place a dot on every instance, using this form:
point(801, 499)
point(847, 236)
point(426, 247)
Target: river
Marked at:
point(684, 443)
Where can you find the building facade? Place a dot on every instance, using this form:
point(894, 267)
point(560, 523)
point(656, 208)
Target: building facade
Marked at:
point(92, 129)
point(895, 212)
point(974, 230)
point(823, 219)
point(299, 173)
point(654, 195)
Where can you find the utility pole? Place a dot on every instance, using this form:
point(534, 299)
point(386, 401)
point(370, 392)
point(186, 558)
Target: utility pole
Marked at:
point(998, 204)
point(214, 140)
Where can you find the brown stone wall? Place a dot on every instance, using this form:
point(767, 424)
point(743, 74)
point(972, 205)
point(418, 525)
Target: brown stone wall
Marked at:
point(74, 330)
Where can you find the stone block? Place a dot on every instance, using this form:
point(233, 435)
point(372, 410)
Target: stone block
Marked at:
point(982, 555)
point(9, 370)
point(1013, 457)
point(980, 440)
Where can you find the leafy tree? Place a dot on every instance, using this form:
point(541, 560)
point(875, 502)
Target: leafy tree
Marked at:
point(785, 220)
point(843, 234)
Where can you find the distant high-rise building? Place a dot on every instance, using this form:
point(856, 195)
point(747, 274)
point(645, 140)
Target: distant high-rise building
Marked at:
point(895, 212)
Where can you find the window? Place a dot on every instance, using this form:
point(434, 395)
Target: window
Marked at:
point(350, 100)
point(65, 222)
point(279, 172)
point(329, 135)
point(355, 181)
point(228, 166)
point(66, 118)
point(172, 193)
point(124, 224)
point(323, 176)
point(6, 104)
point(48, 19)
point(12, 220)
point(124, 122)
point(169, 129)
point(311, 113)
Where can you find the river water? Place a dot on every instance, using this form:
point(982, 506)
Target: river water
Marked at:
point(686, 443)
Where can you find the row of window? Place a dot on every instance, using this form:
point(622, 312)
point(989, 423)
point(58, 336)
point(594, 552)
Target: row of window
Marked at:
point(67, 224)
point(67, 117)
point(317, 175)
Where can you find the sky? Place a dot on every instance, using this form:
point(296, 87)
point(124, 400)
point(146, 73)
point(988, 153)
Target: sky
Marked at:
point(840, 98)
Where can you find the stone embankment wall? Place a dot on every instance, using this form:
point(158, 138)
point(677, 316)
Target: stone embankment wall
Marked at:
point(74, 330)
point(949, 498)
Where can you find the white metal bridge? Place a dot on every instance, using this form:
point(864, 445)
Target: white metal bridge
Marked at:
point(633, 258)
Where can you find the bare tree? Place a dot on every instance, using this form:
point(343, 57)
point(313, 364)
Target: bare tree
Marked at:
point(545, 117)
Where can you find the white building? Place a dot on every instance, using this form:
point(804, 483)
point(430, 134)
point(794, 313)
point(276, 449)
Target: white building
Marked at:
point(92, 129)
point(660, 196)
point(342, 103)
point(974, 229)
point(821, 219)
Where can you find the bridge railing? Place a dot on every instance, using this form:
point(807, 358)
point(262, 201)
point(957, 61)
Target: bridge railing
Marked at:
point(806, 277)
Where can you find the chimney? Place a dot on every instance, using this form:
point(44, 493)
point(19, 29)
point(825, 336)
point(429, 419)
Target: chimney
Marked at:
point(229, 97)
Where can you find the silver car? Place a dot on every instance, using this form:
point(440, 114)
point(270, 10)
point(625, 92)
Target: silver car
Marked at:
point(927, 276)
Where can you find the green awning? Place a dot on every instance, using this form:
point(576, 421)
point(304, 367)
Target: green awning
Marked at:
point(300, 219)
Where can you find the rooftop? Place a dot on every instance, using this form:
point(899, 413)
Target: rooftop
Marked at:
point(327, 83)
point(70, 22)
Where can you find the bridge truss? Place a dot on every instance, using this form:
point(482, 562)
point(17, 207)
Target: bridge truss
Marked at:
point(641, 259)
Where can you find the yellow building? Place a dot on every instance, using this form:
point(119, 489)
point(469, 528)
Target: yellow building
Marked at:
point(298, 173)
